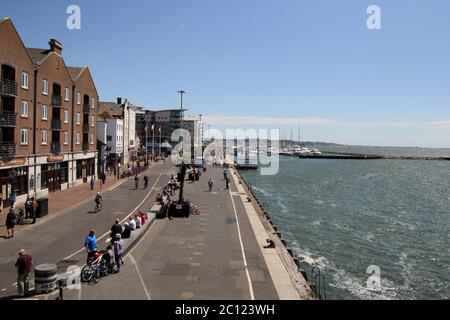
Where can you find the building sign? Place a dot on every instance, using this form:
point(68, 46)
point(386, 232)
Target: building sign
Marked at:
point(13, 162)
point(55, 158)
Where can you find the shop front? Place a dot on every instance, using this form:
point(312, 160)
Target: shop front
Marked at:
point(54, 175)
point(85, 169)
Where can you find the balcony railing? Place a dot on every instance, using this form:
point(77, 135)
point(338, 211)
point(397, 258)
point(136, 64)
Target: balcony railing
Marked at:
point(56, 125)
point(56, 148)
point(7, 149)
point(8, 88)
point(85, 146)
point(56, 101)
point(8, 119)
point(85, 127)
point(86, 109)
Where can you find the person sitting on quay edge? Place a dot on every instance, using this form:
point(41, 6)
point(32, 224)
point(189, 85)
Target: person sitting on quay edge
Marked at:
point(138, 221)
point(115, 229)
point(159, 198)
point(143, 217)
point(126, 233)
point(132, 224)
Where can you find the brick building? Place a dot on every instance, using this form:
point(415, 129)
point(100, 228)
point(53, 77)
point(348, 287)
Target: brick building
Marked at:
point(47, 119)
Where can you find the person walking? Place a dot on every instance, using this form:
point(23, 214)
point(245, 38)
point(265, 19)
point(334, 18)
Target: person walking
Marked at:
point(103, 178)
point(33, 209)
point(118, 251)
point(11, 220)
point(225, 174)
point(23, 265)
point(90, 243)
point(210, 184)
point(227, 183)
point(136, 181)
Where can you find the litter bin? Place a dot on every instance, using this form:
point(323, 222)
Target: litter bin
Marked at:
point(42, 207)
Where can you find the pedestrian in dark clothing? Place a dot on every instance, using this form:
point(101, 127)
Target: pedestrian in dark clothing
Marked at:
point(126, 233)
point(115, 230)
point(23, 265)
point(28, 207)
point(11, 220)
point(92, 183)
point(103, 178)
point(33, 209)
point(227, 181)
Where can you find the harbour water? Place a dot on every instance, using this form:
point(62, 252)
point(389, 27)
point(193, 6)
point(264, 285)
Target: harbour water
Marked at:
point(346, 215)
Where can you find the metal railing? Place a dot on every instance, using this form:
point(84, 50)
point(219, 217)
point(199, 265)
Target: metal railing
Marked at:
point(55, 148)
point(319, 283)
point(8, 88)
point(86, 109)
point(8, 119)
point(56, 124)
point(7, 149)
point(56, 101)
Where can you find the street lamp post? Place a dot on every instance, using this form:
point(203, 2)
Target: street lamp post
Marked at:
point(159, 140)
point(201, 133)
point(146, 144)
point(153, 140)
point(181, 92)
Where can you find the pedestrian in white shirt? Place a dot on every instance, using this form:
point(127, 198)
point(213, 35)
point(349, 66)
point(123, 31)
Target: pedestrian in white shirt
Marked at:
point(132, 224)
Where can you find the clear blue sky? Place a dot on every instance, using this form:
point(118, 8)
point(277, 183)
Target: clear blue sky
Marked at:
point(283, 61)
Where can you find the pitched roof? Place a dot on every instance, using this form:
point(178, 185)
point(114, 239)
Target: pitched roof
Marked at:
point(111, 108)
point(37, 54)
point(74, 72)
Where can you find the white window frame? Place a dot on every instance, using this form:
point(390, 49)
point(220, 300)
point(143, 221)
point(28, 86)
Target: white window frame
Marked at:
point(45, 87)
point(77, 138)
point(92, 138)
point(93, 103)
point(78, 98)
point(66, 116)
point(24, 109)
point(25, 80)
point(66, 94)
point(44, 112)
point(44, 137)
point(92, 121)
point(66, 135)
point(22, 142)
point(78, 118)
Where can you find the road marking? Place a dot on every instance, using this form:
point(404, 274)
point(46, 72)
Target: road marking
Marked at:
point(140, 276)
point(252, 295)
point(104, 235)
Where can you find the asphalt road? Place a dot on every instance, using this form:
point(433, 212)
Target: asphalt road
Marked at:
point(62, 235)
point(213, 255)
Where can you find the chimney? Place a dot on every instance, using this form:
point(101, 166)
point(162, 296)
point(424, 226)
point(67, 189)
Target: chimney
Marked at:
point(119, 101)
point(55, 46)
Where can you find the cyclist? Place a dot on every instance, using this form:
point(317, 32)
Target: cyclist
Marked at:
point(145, 181)
point(98, 201)
point(136, 181)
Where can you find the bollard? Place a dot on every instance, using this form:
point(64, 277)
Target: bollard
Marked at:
point(61, 287)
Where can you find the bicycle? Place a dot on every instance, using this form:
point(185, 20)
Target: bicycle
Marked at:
point(94, 269)
point(98, 206)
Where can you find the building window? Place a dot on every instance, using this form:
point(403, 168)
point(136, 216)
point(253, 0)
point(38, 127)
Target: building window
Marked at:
point(45, 87)
point(66, 116)
point(93, 103)
point(44, 137)
point(66, 94)
point(24, 109)
point(44, 112)
point(92, 121)
point(78, 98)
point(24, 136)
point(77, 138)
point(66, 137)
point(24, 80)
point(78, 118)
point(92, 138)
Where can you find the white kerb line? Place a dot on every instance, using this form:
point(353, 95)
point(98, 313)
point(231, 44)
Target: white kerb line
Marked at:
point(104, 235)
point(252, 295)
point(139, 275)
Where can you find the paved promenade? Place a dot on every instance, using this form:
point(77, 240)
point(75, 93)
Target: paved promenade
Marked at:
point(213, 255)
point(61, 235)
